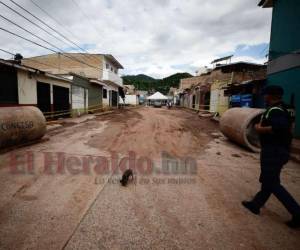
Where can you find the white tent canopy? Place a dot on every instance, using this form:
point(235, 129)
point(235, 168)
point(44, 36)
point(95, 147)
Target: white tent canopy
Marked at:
point(157, 96)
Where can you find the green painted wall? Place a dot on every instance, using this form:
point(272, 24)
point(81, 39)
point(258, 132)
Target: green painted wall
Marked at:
point(285, 33)
point(95, 95)
point(285, 38)
point(95, 91)
point(290, 81)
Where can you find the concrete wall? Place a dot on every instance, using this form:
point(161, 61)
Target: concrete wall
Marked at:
point(214, 100)
point(27, 89)
point(100, 68)
point(216, 74)
point(130, 100)
point(59, 64)
point(107, 101)
point(110, 72)
point(27, 86)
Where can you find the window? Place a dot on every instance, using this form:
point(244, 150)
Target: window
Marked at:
point(104, 93)
point(112, 69)
point(116, 71)
point(107, 66)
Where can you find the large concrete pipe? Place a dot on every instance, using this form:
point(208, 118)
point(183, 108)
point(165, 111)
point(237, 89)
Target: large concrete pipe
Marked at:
point(21, 125)
point(238, 125)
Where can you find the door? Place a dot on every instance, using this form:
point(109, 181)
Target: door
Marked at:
point(78, 97)
point(214, 100)
point(61, 99)
point(206, 101)
point(8, 86)
point(194, 102)
point(114, 100)
point(43, 97)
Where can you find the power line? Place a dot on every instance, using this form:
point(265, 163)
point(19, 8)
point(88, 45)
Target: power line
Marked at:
point(41, 63)
point(31, 33)
point(5, 51)
point(54, 46)
point(53, 18)
point(18, 13)
point(57, 32)
point(36, 36)
point(47, 48)
point(10, 53)
point(19, 26)
point(67, 56)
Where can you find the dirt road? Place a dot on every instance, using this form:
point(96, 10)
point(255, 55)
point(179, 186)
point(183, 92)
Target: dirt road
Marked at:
point(80, 204)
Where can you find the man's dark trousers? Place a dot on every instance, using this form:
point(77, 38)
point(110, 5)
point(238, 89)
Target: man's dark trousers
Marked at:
point(272, 161)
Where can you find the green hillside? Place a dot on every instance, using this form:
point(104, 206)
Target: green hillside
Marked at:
point(144, 82)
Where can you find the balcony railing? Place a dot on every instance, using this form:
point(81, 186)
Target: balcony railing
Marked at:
point(113, 77)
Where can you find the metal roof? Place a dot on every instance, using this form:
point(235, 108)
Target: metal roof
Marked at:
point(108, 82)
point(266, 3)
point(239, 63)
point(33, 70)
point(114, 61)
point(221, 59)
point(96, 81)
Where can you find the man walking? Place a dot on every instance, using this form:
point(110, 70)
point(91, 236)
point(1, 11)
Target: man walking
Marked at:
point(275, 136)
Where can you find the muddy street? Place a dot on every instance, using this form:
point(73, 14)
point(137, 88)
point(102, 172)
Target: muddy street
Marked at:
point(71, 198)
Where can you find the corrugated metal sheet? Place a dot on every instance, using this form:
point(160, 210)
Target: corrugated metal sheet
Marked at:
point(78, 97)
point(214, 100)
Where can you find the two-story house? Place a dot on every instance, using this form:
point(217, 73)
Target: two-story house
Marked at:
point(101, 69)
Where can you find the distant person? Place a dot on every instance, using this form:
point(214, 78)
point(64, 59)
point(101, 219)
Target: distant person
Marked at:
point(275, 136)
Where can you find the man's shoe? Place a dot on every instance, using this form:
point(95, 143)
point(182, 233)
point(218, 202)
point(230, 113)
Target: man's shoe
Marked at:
point(294, 223)
point(251, 207)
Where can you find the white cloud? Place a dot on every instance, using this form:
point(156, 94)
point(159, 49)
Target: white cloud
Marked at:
point(149, 36)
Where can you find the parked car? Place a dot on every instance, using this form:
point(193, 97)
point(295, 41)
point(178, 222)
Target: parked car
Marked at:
point(157, 104)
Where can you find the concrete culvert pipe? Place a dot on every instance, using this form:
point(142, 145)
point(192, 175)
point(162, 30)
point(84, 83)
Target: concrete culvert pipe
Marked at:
point(238, 125)
point(21, 125)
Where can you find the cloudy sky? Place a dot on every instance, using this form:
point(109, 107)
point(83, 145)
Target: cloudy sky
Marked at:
point(154, 37)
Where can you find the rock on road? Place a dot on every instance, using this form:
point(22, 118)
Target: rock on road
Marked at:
point(73, 211)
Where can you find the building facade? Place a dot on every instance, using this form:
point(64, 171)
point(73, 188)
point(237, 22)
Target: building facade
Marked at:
point(284, 54)
point(26, 86)
point(97, 67)
point(86, 94)
point(207, 92)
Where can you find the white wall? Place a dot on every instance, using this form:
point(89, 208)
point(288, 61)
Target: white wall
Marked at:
point(109, 74)
point(106, 102)
point(27, 86)
point(130, 100)
point(78, 94)
point(214, 100)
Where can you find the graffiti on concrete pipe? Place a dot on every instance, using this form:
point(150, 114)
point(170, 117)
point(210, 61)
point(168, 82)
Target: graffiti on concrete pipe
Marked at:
point(16, 125)
point(21, 125)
